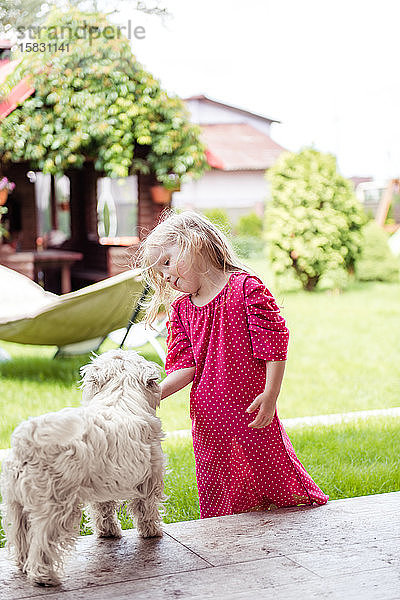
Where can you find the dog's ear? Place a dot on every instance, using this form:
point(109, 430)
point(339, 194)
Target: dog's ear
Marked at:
point(150, 378)
point(151, 375)
point(92, 380)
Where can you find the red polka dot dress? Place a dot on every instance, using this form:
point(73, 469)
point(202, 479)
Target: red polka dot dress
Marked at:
point(228, 340)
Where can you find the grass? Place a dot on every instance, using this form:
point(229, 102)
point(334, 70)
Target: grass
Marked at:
point(344, 351)
point(347, 460)
point(344, 348)
point(343, 356)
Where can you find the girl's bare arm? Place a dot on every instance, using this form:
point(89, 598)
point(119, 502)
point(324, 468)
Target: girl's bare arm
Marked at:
point(176, 380)
point(266, 401)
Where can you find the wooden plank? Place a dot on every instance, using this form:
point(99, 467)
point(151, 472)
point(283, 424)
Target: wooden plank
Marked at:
point(380, 584)
point(273, 578)
point(252, 536)
point(200, 583)
point(355, 558)
point(98, 562)
point(346, 549)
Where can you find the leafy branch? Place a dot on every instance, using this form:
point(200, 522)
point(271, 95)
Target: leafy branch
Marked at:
point(94, 100)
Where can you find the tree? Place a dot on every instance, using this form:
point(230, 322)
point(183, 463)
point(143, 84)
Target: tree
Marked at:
point(27, 13)
point(93, 99)
point(20, 13)
point(313, 220)
point(376, 263)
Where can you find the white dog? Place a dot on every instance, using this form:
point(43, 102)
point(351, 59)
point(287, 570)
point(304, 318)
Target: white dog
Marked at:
point(103, 453)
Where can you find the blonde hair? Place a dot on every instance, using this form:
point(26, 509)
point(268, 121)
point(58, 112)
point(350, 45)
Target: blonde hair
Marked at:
point(195, 235)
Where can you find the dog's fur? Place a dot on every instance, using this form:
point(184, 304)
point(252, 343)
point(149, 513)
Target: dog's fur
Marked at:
point(103, 453)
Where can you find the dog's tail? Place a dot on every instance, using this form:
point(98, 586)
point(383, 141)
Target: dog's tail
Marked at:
point(53, 428)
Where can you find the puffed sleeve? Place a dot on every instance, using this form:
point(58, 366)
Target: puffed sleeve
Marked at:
point(179, 353)
point(268, 332)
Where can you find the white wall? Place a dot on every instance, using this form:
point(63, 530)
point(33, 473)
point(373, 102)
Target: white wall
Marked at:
point(237, 192)
point(205, 114)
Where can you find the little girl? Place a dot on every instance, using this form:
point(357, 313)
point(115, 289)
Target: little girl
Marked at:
point(226, 335)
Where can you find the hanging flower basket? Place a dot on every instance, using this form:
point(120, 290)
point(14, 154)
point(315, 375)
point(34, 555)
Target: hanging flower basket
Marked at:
point(3, 196)
point(6, 186)
point(160, 194)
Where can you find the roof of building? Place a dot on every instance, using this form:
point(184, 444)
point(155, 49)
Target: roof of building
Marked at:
point(356, 180)
point(204, 98)
point(239, 147)
point(230, 146)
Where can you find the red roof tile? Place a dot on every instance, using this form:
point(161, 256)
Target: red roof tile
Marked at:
point(239, 147)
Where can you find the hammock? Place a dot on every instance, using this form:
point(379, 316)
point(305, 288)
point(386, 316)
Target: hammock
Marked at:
point(78, 321)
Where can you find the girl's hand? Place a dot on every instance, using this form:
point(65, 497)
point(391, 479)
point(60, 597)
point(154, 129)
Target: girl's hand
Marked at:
point(267, 406)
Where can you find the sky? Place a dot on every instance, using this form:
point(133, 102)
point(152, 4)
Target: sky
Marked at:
point(327, 70)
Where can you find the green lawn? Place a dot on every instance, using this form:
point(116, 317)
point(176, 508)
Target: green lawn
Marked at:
point(344, 354)
point(345, 460)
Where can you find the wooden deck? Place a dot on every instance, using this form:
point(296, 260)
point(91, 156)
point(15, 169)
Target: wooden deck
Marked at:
point(346, 550)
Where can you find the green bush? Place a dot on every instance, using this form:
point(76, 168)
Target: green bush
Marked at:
point(376, 263)
point(314, 220)
point(337, 279)
point(247, 246)
point(220, 218)
point(96, 100)
point(3, 230)
point(250, 225)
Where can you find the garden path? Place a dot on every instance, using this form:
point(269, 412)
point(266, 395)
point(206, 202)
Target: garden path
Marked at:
point(332, 419)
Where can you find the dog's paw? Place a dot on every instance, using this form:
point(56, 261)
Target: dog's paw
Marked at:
point(109, 530)
point(44, 580)
point(110, 534)
point(21, 567)
point(150, 530)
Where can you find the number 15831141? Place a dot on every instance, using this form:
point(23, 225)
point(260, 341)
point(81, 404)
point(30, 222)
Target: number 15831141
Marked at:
point(44, 47)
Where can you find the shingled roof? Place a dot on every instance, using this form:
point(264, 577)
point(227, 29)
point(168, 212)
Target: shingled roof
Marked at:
point(239, 147)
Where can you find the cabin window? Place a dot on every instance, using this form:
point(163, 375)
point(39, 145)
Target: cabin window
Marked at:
point(117, 210)
point(53, 208)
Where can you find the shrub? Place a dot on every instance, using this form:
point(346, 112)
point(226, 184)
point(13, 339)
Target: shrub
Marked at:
point(376, 263)
point(336, 279)
point(247, 246)
point(220, 218)
point(3, 230)
point(250, 225)
point(314, 219)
